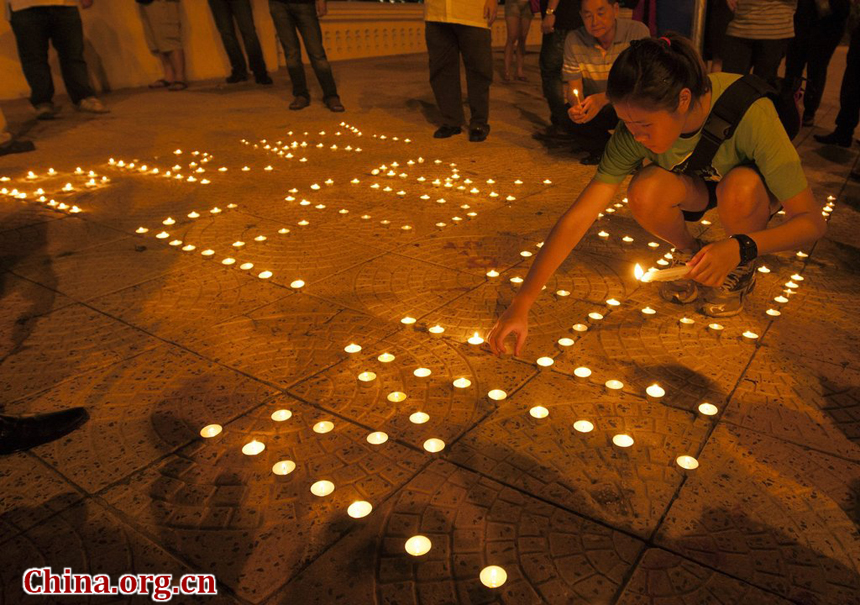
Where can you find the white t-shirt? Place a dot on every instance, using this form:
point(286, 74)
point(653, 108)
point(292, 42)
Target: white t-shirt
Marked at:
point(464, 12)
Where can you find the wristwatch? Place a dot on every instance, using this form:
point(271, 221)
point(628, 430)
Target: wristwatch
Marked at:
point(748, 248)
point(550, 11)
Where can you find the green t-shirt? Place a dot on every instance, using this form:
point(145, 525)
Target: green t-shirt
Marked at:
point(759, 141)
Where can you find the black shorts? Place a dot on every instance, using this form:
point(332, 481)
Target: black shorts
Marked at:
point(696, 216)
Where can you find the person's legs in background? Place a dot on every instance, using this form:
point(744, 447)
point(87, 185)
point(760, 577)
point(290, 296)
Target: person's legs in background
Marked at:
point(67, 36)
point(31, 28)
point(285, 25)
point(826, 37)
point(444, 54)
point(737, 55)
point(308, 25)
point(551, 62)
point(525, 24)
point(475, 44)
point(223, 16)
point(798, 54)
point(767, 56)
point(849, 98)
point(512, 26)
point(244, 16)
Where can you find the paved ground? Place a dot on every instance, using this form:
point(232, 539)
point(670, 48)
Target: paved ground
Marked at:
point(158, 341)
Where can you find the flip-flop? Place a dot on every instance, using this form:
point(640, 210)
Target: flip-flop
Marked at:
point(178, 85)
point(162, 83)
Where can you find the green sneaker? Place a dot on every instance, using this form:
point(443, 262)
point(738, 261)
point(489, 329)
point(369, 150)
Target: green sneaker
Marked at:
point(728, 299)
point(681, 291)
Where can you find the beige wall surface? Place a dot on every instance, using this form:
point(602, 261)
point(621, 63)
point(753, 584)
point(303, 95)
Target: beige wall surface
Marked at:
point(118, 57)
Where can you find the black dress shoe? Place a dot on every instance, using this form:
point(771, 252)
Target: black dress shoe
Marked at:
point(478, 134)
point(334, 104)
point(236, 78)
point(299, 103)
point(18, 434)
point(263, 80)
point(444, 132)
point(834, 138)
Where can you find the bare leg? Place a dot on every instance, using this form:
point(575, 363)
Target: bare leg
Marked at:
point(656, 198)
point(521, 46)
point(177, 62)
point(743, 201)
point(166, 67)
point(513, 26)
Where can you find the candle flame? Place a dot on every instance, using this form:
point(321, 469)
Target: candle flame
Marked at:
point(638, 272)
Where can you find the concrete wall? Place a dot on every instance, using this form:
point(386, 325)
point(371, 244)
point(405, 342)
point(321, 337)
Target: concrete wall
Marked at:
point(118, 58)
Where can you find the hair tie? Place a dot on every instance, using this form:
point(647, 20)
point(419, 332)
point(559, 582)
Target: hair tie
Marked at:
point(666, 40)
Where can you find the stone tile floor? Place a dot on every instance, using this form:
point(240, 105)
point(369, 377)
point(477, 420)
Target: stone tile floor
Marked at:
point(159, 338)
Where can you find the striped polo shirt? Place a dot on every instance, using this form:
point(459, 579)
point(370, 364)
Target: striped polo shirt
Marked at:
point(763, 20)
point(585, 58)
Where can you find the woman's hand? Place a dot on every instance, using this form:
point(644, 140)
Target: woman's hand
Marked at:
point(515, 320)
point(714, 262)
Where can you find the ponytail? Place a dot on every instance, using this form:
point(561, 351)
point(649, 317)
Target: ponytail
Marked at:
point(652, 72)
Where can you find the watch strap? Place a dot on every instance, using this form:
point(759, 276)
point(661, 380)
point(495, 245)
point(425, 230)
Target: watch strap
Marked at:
point(748, 248)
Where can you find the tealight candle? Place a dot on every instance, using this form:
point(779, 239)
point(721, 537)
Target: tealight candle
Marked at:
point(396, 396)
point(322, 488)
point(386, 358)
point(750, 336)
point(545, 362)
point(525, 254)
point(565, 342)
point(539, 411)
point(297, 284)
point(141, 230)
point(422, 372)
point(612, 302)
point(686, 321)
point(193, 214)
point(434, 445)
point(281, 415)
point(462, 383)
point(773, 312)
point(352, 348)
point(579, 328)
point(622, 440)
point(781, 299)
point(648, 311)
point(797, 277)
point(614, 385)
point(708, 409)
point(408, 321)
point(418, 545)
point(497, 395)
point(359, 509)
point(562, 293)
point(163, 235)
point(627, 239)
point(603, 234)
point(208, 253)
point(493, 576)
point(323, 427)
point(246, 266)
point(228, 261)
point(687, 462)
point(367, 376)
point(801, 254)
point(377, 438)
point(594, 315)
point(516, 280)
point(189, 247)
point(715, 327)
point(582, 372)
point(284, 467)
point(653, 245)
point(583, 426)
point(475, 339)
point(210, 430)
point(419, 418)
point(655, 391)
point(253, 448)
point(436, 330)
point(264, 274)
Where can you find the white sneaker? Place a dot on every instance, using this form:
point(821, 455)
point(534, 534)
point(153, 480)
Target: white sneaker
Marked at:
point(92, 105)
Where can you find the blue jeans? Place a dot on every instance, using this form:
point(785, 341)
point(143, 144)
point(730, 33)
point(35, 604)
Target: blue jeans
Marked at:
point(290, 21)
point(35, 28)
point(551, 63)
point(224, 12)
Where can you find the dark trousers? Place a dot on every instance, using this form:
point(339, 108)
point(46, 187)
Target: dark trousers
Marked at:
point(290, 21)
point(594, 135)
point(815, 40)
point(445, 43)
point(849, 95)
point(551, 63)
point(34, 29)
point(225, 12)
point(763, 56)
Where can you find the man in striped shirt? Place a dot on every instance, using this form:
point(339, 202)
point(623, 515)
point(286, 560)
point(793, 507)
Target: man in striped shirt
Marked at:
point(589, 53)
point(758, 36)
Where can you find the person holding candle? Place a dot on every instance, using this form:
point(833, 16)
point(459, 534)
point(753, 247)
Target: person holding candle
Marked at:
point(589, 53)
point(663, 96)
point(452, 29)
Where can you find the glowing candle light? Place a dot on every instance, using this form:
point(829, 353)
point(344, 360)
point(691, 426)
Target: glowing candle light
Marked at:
point(246, 266)
point(228, 261)
point(462, 383)
point(245, 169)
point(141, 230)
point(511, 198)
point(801, 254)
point(193, 214)
point(322, 488)
point(497, 395)
point(284, 467)
point(408, 321)
point(653, 245)
point(627, 239)
point(352, 348)
point(655, 391)
point(377, 438)
point(614, 385)
point(283, 231)
point(583, 426)
point(210, 430)
point(648, 311)
point(436, 330)
point(422, 372)
point(281, 415)
point(715, 327)
point(603, 234)
point(539, 412)
point(475, 339)
point(525, 254)
point(74, 210)
point(367, 376)
point(419, 418)
point(686, 321)
point(208, 253)
point(516, 280)
point(418, 545)
point(622, 440)
point(562, 293)
point(324, 426)
point(612, 302)
point(750, 336)
point(582, 372)
point(253, 448)
point(163, 235)
point(565, 342)
point(708, 409)
point(260, 238)
point(359, 509)
point(773, 312)
point(386, 358)
point(396, 396)
point(687, 462)
point(434, 445)
point(296, 284)
point(781, 299)
point(493, 576)
point(545, 362)
point(215, 210)
point(791, 284)
point(579, 328)
point(595, 316)
point(189, 247)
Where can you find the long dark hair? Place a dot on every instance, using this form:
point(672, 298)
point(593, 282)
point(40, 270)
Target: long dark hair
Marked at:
point(652, 72)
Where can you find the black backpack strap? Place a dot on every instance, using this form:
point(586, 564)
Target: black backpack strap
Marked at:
point(724, 118)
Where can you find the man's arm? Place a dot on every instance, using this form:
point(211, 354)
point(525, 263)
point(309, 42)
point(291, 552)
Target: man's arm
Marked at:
point(547, 25)
point(322, 8)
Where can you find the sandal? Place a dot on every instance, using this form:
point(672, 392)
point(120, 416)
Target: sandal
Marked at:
point(178, 85)
point(162, 83)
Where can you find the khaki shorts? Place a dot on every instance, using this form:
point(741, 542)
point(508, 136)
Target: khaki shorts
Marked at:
point(161, 25)
point(518, 8)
